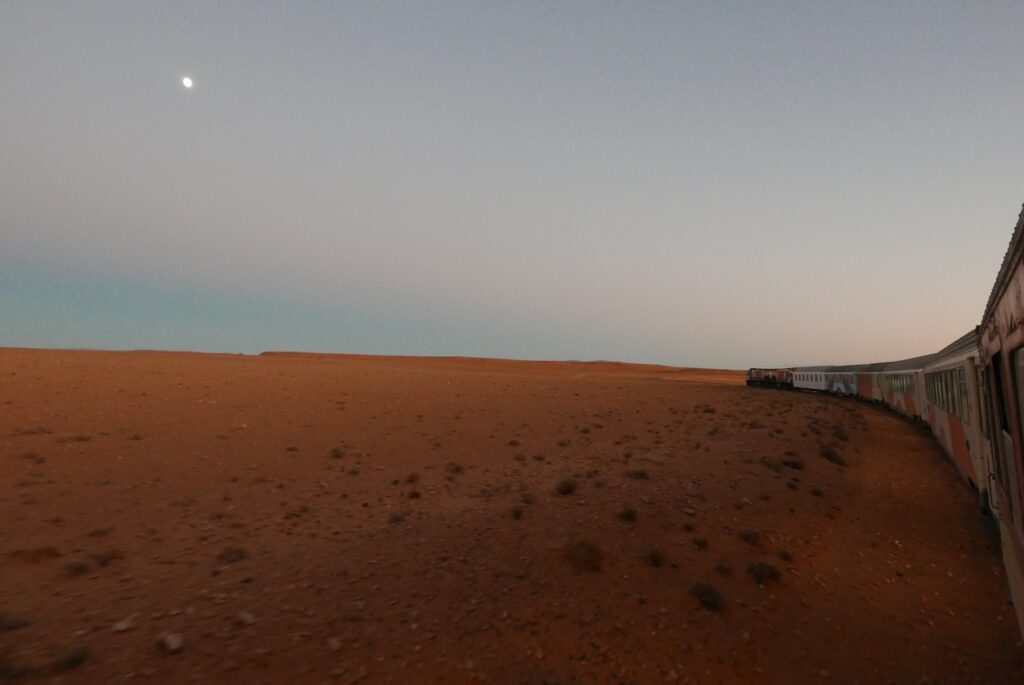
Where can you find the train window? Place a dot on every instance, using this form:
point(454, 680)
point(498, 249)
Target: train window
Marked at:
point(982, 403)
point(1018, 368)
point(965, 414)
point(997, 382)
point(950, 393)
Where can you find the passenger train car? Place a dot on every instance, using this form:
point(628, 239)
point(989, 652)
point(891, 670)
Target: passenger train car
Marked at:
point(970, 394)
point(1001, 359)
point(770, 378)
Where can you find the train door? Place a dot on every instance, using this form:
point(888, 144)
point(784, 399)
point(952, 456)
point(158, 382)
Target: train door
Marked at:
point(920, 399)
point(1002, 441)
point(981, 430)
point(1012, 463)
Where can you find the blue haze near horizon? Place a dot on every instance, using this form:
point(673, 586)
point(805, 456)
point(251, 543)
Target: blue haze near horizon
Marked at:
point(701, 184)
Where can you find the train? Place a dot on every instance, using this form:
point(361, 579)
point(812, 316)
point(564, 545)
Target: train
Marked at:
point(970, 394)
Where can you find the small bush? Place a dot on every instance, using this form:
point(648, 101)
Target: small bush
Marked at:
point(817, 492)
point(104, 558)
point(793, 464)
point(566, 487)
point(785, 555)
point(584, 556)
point(517, 512)
point(412, 478)
point(637, 474)
point(700, 543)
point(830, 453)
point(762, 572)
point(454, 468)
point(628, 515)
point(723, 569)
point(839, 433)
point(708, 596)
point(11, 622)
point(76, 438)
point(655, 558)
point(70, 659)
point(230, 555)
point(415, 494)
point(751, 537)
point(76, 568)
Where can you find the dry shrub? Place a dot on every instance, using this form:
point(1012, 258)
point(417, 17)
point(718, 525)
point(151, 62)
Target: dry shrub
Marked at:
point(628, 515)
point(708, 596)
point(655, 558)
point(584, 556)
point(762, 572)
point(829, 452)
point(566, 486)
point(751, 537)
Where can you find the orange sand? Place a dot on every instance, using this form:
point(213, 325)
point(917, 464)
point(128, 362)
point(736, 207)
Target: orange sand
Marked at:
point(265, 510)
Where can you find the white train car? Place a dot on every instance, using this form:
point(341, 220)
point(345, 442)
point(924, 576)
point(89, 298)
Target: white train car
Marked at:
point(956, 413)
point(810, 378)
point(842, 380)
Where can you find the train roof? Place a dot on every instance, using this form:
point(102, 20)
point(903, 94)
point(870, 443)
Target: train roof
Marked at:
point(848, 368)
point(911, 364)
point(966, 343)
point(1009, 259)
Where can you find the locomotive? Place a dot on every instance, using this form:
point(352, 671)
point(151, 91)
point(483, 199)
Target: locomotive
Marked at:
point(971, 396)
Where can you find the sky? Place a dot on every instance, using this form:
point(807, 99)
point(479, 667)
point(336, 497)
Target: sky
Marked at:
point(717, 184)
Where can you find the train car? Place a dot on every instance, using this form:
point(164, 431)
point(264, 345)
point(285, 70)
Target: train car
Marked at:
point(809, 378)
point(755, 376)
point(839, 380)
point(842, 380)
point(955, 413)
point(770, 378)
point(901, 385)
point(1001, 355)
point(869, 383)
point(866, 385)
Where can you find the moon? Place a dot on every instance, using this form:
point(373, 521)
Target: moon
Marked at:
point(187, 82)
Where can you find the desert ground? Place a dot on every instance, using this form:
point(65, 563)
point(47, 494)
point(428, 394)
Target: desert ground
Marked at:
point(175, 517)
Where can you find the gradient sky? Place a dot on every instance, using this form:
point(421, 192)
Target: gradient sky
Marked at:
point(704, 184)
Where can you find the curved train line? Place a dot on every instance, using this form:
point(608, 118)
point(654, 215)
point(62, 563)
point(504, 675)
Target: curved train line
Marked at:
point(970, 394)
